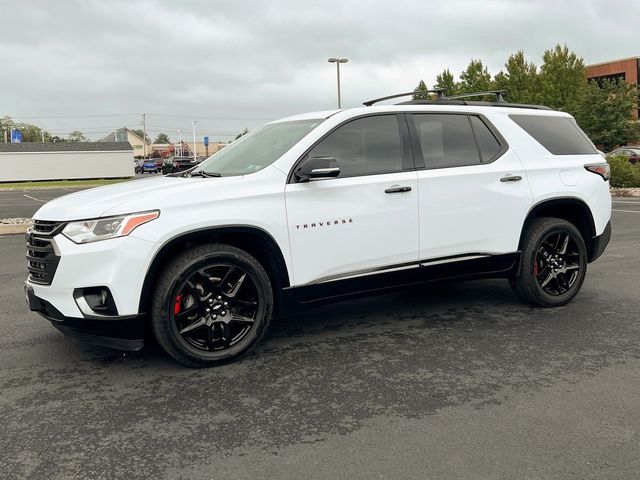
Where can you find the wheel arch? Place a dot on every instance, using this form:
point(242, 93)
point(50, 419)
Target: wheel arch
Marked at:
point(254, 240)
point(571, 209)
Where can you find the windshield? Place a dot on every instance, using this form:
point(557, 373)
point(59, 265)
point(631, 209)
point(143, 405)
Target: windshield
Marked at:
point(257, 149)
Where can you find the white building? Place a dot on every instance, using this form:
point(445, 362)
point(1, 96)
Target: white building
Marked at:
point(65, 161)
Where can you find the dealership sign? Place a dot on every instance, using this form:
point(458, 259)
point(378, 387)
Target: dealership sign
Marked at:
point(16, 136)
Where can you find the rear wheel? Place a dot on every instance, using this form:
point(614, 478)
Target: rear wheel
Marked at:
point(553, 264)
point(212, 304)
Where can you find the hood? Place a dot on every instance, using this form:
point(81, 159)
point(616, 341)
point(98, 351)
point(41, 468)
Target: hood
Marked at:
point(129, 197)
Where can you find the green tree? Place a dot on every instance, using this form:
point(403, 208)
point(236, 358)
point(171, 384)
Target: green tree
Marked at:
point(242, 133)
point(475, 78)
point(30, 132)
point(77, 136)
point(141, 134)
point(420, 92)
point(446, 80)
point(562, 78)
point(162, 138)
point(604, 111)
point(520, 79)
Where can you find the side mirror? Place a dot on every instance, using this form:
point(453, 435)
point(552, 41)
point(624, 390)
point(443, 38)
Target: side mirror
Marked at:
point(317, 168)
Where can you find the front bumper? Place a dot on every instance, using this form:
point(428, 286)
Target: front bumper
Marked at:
point(121, 333)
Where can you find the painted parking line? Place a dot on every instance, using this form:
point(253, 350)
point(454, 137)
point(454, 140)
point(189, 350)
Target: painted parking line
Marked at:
point(632, 203)
point(36, 199)
point(627, 211)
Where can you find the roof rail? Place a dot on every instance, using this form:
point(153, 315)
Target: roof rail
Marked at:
point(499, 94)
point(440, 94)
point(442, 99)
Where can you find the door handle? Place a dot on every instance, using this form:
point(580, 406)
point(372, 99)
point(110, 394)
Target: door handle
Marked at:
point(511, 178)
point(397, 189)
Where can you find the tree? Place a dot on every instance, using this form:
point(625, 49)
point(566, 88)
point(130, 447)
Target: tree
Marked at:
point(475, 78)
point(520, 79)
point(77, 136)
point(422, 87)
point(562, 78)
point(162, 138)
point(30, 133)
point(446, 80)
point(242, 133)
point(604, 111)
point(141, 134)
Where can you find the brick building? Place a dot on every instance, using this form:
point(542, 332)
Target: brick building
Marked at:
point(627, 69)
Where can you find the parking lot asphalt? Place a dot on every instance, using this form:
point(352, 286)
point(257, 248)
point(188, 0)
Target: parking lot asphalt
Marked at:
point(450, 381)
point(23, 203)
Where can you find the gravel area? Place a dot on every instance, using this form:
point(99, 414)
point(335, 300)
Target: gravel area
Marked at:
point(15, 221)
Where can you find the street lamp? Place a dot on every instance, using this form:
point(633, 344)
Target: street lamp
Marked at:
point(338, 61)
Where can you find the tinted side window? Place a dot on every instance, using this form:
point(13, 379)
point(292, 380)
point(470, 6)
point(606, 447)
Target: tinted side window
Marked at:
point(487, 142)
point(559, 135)
point(365, 146)
point(446, 140)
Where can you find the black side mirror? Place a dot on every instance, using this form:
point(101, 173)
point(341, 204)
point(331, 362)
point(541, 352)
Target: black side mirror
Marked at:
point(316, 168)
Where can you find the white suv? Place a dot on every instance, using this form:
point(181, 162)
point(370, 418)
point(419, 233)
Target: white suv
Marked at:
point(322, 206)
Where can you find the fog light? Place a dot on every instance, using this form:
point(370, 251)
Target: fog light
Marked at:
point(95, 302)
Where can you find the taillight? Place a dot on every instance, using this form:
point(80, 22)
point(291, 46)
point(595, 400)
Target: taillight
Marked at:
point(601, 169)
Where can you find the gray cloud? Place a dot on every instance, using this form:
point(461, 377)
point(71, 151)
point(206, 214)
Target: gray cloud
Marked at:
point(233, 64)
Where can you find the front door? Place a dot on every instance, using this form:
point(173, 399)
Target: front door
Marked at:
point(365, 221)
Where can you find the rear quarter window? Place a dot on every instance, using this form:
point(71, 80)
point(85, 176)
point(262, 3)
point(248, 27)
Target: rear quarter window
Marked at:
point(559, 135)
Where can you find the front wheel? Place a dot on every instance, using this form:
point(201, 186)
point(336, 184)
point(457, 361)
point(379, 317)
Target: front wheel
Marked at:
point(553, 264)
point(211, 305)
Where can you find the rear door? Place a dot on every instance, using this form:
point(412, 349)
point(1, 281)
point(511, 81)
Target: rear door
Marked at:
point(473, 191)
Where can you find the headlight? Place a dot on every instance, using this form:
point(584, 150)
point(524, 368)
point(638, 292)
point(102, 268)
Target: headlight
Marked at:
point(85, 231)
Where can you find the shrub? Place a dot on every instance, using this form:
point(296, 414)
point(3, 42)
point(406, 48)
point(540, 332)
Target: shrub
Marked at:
point(623, 173)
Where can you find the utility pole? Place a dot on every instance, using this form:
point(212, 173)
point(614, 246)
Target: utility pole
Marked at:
point(42, 133)
point(180, 135)
point(193, 122)
point(144, 134)
point(5, 135)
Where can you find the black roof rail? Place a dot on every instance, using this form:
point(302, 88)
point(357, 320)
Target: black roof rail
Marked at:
point(442, 99)
point(440, 94)
point(476, 103)
point(499, 94)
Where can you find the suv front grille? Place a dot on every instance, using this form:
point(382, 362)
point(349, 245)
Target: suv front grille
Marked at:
point(42, 260)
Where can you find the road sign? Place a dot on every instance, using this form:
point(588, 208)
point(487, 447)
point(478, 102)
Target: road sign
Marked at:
point(16, 136)
point(206, 141)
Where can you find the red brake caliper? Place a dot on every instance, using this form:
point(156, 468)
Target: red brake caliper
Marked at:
point(176, 306)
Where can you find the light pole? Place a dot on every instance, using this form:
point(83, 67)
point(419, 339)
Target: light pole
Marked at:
point(193, 122)
point(338, 61)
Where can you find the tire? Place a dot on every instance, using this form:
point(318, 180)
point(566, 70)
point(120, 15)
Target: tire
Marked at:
point(211, 305)
point(547, 277)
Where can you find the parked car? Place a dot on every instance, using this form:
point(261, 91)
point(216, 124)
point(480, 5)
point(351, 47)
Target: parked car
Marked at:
point(149, 166)
point(632, 153)
point(137, 166)
point(177, 164)
point(322, 206)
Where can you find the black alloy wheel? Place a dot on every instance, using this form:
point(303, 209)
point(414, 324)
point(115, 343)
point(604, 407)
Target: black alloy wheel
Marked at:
point(212, 304)
point(553, 263)
point(556, 265)
point(216, 307)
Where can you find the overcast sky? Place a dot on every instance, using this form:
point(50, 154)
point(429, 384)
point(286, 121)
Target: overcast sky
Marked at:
point(95, 65)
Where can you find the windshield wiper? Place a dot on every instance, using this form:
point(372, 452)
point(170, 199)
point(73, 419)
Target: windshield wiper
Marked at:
point(201, 173)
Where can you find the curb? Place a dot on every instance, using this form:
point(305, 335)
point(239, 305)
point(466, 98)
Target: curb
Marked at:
point(13, 228)
point(625, 192)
